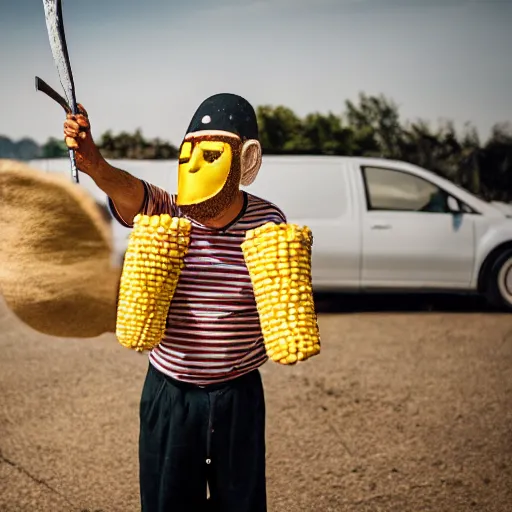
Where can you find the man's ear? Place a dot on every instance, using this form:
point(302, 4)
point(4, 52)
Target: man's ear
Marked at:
point(250, 161)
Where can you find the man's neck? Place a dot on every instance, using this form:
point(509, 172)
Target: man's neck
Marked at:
point(229, 214)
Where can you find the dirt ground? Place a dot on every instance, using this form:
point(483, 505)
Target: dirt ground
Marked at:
point(406, 410)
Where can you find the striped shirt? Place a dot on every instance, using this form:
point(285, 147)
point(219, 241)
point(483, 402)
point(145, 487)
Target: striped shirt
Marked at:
point(213, 331)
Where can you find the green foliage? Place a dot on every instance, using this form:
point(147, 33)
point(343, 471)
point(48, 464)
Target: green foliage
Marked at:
point(370, 126)
point(281, 130)
point(24, 149)
point(135, 147)
point(54, 148)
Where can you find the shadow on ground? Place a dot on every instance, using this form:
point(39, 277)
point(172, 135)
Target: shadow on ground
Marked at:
point(401, 303)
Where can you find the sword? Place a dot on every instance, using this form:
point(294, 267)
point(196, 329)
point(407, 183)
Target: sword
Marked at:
point(42, 86)
point(55, 27)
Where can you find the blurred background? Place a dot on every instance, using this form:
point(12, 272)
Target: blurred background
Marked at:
point(425, 82)
point(408, 407)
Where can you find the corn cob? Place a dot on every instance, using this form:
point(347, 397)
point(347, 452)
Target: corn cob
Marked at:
point(151, 269)
point(278, 258)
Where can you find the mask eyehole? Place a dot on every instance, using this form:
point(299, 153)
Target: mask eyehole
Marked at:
point(210, 156)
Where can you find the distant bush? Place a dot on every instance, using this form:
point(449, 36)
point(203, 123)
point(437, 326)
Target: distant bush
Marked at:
point(370, 127)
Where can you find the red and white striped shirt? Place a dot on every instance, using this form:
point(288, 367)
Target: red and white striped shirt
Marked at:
point(213, 331)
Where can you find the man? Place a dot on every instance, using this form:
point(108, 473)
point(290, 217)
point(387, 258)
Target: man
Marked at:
point(202, 410)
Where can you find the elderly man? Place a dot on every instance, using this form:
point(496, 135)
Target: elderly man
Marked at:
point(202, 410)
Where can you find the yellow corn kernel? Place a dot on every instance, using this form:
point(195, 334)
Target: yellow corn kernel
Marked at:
point(278, 258)
point(149, 279)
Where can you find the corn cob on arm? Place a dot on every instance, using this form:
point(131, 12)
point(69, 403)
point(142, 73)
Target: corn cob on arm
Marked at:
point(278, 258)
point(151, 270)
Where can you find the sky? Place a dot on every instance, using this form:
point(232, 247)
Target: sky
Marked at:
point(150, 64)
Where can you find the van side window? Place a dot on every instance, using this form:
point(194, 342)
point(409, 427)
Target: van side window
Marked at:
point(388, 189)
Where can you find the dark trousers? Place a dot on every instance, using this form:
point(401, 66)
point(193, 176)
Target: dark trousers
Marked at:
point(190, 436)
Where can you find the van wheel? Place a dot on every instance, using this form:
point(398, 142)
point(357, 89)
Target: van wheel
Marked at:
point(499, 283)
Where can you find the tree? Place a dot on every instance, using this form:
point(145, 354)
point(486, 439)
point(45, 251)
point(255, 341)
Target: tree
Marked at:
point(135, 146)
point(326, 135)
point(370, 126)
point(27, 149)
point(24, 149)
point(7, 147)
point(281, 130)
point(495, 161)
point(378, 116)
point(54, 148)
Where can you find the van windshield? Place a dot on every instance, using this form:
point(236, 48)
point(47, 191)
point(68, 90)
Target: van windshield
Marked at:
point(460, 187)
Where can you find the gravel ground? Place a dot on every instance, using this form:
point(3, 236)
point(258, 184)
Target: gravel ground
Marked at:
point(406, 409)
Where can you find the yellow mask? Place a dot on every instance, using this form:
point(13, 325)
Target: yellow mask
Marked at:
point(203, 170)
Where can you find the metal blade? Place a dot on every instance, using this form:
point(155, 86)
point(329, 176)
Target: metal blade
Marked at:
point(57, 36)
point(55, 27)
point(42, 86)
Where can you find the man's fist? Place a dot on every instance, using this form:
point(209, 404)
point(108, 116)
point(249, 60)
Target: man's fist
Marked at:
point(77, 135)
point(76, 126)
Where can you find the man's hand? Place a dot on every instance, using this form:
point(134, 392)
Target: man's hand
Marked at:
point(125, 190)
point(77, 135)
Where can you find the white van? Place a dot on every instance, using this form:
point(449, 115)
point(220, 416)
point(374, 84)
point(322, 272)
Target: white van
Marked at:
point(378, 225)
point(382, 225)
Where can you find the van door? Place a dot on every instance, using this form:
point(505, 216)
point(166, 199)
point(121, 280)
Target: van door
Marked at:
point(411, 239)
point(317, 192)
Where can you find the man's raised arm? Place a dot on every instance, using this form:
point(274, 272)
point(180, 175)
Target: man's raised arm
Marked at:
point(125, 191)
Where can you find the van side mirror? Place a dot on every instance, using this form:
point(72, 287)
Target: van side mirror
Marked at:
point(453, 205)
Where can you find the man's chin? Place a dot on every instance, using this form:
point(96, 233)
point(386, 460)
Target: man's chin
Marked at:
point(215, 206)
point(209, 209)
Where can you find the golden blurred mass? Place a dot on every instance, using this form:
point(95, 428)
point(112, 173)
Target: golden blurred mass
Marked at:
point(56, 273)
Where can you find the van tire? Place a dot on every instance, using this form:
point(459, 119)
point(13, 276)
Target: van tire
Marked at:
point(499, 281)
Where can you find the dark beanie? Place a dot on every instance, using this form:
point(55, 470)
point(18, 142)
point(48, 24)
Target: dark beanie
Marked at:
point(226, 112)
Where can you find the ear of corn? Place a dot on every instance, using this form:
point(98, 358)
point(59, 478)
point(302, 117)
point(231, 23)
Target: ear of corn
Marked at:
point(151, 269)
point(278, 258)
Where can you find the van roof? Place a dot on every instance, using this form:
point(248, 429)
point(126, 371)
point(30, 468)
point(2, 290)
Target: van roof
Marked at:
point(324, 159)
